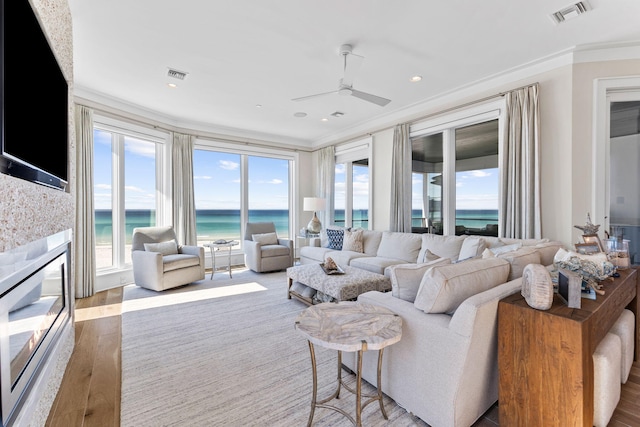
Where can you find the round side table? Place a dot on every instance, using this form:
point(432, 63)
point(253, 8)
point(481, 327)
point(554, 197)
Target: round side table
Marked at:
point(353, 327)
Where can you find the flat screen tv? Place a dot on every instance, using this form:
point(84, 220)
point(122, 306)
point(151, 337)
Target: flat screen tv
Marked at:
point(34, 142)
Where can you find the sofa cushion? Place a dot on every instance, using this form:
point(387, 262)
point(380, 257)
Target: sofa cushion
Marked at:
point(518, 260)
point(443, 288)
point(443, 246)
point(472, 247)
point(404, 246)
point(335, 238)
point(406, 278)
point(169, 247)
point(178, 261)
point(547, 251)
point(375, 264)
point(371, 240)
point(343, 258)
point(268, 251)
point(265, 238)
point(353, 241)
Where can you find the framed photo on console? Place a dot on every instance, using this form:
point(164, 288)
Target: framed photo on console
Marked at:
point(587, 248)
point(570, 287)
point(593, 238)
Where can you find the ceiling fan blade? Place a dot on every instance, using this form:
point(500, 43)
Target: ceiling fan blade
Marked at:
point(352, 63)
point(371, 98)
point(303, 98)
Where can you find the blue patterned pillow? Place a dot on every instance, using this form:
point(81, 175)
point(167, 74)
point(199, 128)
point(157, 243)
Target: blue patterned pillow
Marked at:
point(335, 237)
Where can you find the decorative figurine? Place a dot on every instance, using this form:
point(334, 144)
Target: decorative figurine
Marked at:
point(589, 227)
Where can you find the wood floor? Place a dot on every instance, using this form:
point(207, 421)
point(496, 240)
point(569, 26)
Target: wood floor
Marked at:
point(90, 391)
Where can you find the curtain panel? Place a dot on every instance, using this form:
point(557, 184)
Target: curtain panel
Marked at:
point(400, 217)
point(182, 188)
point(84, 238)
point(520, 202)
point(325, 184)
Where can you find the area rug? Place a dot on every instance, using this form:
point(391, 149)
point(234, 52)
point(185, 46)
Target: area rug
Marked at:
point(226, 353)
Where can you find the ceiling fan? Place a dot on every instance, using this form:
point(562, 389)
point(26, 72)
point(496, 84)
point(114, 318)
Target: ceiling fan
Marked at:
point(351, 65)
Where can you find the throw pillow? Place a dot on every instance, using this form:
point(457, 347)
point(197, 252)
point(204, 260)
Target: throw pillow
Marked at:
point(169, 247)
point(265, 238)
point(519, 260)
point(443, 246)
point(353, 241)
point(429, 256)
point(444, 287)
point(335, 238)
point(506, 248)
point(406, 278)
point(396, 245)
point(472, 246)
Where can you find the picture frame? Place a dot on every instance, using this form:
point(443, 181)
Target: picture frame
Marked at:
point(587, 248)
point(570, 288)
point(593, 238)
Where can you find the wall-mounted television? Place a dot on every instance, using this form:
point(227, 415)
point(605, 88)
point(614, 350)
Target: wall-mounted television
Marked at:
point(34, 144)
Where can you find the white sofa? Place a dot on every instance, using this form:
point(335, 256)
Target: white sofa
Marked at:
point(444, 369)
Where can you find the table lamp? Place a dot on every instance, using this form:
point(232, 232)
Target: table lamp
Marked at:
point(314, 204)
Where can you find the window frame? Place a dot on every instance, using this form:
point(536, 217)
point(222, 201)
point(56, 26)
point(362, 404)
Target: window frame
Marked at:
point(119, 131)
point(447, 124)
point(244, 152)
point(348, 154)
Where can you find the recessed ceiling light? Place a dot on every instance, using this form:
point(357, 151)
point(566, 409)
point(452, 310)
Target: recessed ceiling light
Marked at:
point(570, 12)
point(172, 85)
point(258, 105)
point(324, 119)
point(300, 114)
point(415, 79)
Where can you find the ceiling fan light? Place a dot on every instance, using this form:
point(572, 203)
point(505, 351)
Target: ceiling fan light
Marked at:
point(345, 91)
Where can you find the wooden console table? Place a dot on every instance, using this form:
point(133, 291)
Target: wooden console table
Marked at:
point(545, 357)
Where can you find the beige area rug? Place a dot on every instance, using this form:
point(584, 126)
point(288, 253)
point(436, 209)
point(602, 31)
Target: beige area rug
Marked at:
point(226, 353)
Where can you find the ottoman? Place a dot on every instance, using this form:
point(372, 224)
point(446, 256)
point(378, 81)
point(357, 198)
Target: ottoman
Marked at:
point(310, 284)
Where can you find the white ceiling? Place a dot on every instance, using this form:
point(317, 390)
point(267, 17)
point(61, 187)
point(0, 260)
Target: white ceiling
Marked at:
point(242, 53)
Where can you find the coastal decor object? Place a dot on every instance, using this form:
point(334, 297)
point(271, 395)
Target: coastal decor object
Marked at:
point(537, 287)
point(592, 268)
point(314, 204)
point(589, 228)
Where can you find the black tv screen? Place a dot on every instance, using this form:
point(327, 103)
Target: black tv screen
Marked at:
point(34, 144)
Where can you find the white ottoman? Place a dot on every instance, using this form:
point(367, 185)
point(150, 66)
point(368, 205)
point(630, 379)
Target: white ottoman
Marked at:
point(606, 379)
point(625, 328)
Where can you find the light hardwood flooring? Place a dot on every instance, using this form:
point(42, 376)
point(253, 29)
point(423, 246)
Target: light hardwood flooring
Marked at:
point(90, 391)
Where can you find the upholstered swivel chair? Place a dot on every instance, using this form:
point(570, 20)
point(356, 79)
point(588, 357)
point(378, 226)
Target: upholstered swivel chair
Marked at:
point(160, 263)
point(263, 250)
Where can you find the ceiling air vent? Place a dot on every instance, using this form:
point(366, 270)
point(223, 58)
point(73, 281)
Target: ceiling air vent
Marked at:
point(337, 114)
point(180, 75)
point(570, 12)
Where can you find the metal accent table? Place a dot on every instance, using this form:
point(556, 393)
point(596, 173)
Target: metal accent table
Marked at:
point(215, 247)
point(349, 326)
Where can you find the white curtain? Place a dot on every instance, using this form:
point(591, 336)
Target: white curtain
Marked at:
point(84, 237)
point(184, 208)
point(400, 218)
point(325, 184)
point(520, 210)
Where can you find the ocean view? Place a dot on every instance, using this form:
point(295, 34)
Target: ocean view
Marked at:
point(213, 224)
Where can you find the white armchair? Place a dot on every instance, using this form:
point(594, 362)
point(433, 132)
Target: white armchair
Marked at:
point(160, 263)
point(266, 252)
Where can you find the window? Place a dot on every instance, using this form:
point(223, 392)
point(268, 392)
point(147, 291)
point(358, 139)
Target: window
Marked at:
point(455, 173)
point(232, 187)
point(352, 185)
point(126, 184)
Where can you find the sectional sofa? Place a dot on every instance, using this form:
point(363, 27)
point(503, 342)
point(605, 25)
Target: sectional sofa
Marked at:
point(444, 370)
